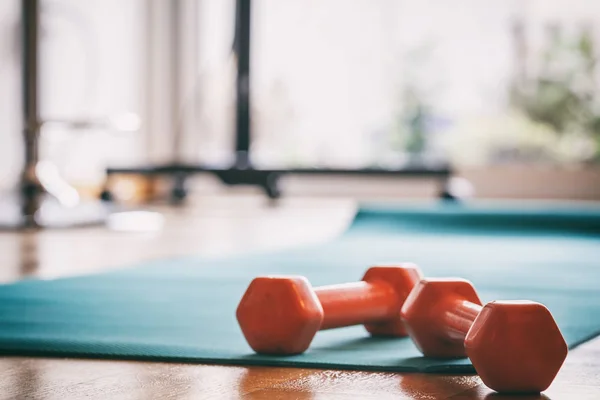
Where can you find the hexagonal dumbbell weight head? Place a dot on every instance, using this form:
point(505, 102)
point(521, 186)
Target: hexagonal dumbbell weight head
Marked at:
point(514, 346)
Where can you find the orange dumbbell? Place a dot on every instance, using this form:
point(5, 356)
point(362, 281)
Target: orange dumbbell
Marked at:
point(515, 346)
point(282, 314)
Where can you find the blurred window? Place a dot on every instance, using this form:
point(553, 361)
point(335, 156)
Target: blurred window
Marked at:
point(362, 83)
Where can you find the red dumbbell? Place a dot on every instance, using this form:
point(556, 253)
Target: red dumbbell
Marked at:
point(282, 314)
point(515, 346)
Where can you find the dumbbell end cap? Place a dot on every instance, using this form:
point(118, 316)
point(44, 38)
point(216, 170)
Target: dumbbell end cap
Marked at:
point(516, 346)
point(279, 314)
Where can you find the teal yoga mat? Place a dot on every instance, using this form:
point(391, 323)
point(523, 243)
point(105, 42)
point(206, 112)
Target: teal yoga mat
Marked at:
point(183, 309)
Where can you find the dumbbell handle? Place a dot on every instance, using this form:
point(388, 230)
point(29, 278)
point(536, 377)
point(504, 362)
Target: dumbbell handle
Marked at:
point(357, 303)
point(457, 316)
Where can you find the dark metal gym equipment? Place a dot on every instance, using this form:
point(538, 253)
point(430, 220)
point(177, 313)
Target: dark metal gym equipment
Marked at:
point(44, 199)
point(242, 172)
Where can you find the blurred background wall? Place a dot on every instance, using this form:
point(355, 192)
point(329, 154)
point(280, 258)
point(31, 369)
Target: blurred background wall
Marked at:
point(507, 91)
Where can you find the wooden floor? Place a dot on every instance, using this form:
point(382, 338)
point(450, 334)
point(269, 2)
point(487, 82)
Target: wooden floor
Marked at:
point(215, 226)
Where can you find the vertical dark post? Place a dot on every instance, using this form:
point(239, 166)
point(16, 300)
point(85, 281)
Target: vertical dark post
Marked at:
point(242, 48)
point(30, 188)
